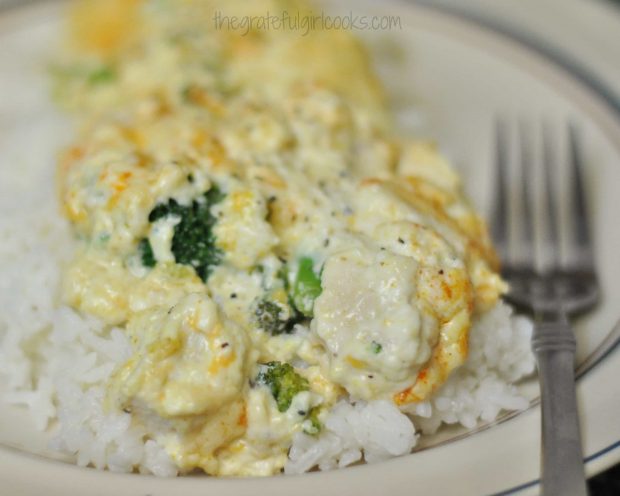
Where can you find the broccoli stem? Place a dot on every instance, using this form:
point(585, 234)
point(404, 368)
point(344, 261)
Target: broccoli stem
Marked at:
point(306, 287)
point(314, 427)
point(146, 253)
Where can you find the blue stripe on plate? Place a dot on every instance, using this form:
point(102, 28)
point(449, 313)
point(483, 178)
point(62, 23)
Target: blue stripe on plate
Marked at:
point(527, 485)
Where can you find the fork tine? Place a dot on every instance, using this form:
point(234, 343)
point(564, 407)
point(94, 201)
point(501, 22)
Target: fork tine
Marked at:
point(552, 241)
point(499, 214)
point(581, 233)
point(527, 225)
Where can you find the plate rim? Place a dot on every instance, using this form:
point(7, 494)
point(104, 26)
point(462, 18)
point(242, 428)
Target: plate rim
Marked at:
point(534, 43)
point(610, 99)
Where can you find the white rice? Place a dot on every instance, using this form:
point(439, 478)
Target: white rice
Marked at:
point(499, 356)
point(55, 362)
point(375, 431)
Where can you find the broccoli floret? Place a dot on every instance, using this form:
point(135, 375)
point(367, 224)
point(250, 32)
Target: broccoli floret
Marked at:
point(283, 382)
point(101, 75)
point(193, 241)
point(306, 287)
point(275, 318)
point(376, 347)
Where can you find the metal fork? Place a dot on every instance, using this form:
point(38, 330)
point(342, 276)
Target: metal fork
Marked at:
point(551, 294)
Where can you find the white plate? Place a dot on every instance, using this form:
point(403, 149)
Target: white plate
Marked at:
point(447, 78)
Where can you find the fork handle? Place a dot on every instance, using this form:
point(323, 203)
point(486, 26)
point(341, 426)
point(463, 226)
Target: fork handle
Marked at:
point(562, 459)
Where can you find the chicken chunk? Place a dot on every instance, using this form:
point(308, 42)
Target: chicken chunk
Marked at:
point(188, 371)
point(395, 315)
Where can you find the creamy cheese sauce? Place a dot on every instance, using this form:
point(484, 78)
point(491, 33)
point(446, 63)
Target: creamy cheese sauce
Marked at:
point(240, 201)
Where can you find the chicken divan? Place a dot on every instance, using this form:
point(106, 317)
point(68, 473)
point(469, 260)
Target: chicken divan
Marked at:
point(249, 218)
